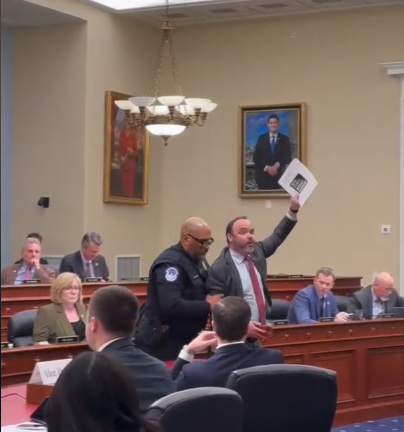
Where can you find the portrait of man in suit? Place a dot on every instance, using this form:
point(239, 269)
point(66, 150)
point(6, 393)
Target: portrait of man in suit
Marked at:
point(271, 138)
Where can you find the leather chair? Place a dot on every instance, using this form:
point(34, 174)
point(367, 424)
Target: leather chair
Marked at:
point(286, 398)
point(21, 328)
point(199, 410)
point(279, 310)
point(342, 303)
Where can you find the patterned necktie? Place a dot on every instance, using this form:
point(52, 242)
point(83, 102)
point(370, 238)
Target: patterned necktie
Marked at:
point(273, 142)
point(257, 291)
point(88, 270)
point(27, 274)
point(322, 308)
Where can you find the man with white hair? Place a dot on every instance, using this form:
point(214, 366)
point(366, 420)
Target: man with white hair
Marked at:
point(377, 299)
point(29, 268)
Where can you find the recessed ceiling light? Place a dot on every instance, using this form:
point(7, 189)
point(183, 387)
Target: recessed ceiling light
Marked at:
point(123, 5)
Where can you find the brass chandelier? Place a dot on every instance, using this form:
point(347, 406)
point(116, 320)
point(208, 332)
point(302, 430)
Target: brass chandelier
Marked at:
point(166, 116)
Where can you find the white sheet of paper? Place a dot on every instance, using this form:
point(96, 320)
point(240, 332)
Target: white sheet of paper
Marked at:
point(268, 204)
point(298, 180)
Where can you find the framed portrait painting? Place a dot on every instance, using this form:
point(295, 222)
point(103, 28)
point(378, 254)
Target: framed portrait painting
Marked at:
point(126, 156)
point(270, 138)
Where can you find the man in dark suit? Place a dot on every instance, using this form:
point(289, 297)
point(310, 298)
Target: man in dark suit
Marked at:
point(87, 263)
point(112, 318)
point(230, 320)
point(272, 154)
point(376, 299)
point(316, 301)
point(241, 269)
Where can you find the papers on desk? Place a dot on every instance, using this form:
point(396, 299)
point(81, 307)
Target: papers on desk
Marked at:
point(298, 180)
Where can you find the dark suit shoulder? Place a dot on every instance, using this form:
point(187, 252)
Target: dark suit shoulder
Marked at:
point(271, 356)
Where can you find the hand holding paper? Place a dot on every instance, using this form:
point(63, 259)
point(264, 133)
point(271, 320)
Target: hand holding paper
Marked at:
point(297, 180)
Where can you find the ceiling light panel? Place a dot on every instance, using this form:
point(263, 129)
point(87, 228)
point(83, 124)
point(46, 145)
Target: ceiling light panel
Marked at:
point(128, 5)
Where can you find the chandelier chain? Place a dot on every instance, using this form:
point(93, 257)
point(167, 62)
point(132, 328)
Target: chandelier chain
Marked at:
point(174, 66)
point(159, 67)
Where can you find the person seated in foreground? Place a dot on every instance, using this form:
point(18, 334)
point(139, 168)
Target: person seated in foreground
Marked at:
point(112, 313)
point(376, 299)
point(316, 301)
point(95, 393)
point(66, 315)
point(230, 320)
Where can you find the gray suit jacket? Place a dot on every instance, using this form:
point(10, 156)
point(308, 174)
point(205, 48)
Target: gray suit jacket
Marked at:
point(363, 300)
point(223, 276)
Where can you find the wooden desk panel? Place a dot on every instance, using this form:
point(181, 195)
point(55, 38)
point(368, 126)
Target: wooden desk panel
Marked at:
point(16, 298)
point(368, 357)
point(17, 364)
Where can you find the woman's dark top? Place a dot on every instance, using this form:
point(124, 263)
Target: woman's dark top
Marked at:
point(79, 329)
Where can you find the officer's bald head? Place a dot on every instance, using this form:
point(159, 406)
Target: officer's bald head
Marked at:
point(196, 236)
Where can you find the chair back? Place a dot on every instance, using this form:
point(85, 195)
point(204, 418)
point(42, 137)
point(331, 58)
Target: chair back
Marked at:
point(21, 328)
point(286, 398)
point(279, 310)
point(199, 410)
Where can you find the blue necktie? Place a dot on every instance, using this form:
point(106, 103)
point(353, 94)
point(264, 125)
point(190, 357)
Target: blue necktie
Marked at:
point(273, 142)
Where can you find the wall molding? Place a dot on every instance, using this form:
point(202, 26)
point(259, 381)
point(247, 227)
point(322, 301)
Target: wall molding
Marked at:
point(396, 70)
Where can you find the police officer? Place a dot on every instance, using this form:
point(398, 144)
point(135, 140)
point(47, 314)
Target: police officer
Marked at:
point(177, 306)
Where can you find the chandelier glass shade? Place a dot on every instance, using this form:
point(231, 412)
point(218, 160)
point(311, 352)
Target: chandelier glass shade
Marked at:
point(166, 116)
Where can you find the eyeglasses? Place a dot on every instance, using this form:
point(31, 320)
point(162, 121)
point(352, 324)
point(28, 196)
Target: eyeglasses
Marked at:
point(203, 242)
point(71, 289)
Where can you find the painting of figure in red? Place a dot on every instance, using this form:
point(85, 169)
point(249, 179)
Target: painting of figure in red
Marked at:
point(126, 156)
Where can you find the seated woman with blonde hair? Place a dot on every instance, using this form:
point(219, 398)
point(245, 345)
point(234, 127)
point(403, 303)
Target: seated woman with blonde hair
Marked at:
point(66, 315)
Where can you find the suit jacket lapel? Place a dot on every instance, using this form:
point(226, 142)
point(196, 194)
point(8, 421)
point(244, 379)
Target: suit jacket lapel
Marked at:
point(79, 264)
point(316, 303)
point(65, 325)
point(368, 303)
point(235, 277)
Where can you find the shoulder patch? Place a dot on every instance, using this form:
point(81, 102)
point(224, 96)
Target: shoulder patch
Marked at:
point(171, 274)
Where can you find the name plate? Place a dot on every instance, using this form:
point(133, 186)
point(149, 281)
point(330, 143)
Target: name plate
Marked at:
point(48, 372)
point(5, 345)
point(326, 319)
point(93, 279)
point(386, 315)
point(31, 281)
point(280, 322)
point(64, 339)
point(144, 278)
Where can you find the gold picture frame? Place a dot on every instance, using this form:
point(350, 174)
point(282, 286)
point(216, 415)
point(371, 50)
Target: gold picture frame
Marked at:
point(126, 156)
point(264, 155)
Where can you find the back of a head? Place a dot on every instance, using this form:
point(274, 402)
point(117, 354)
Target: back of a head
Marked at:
point(116, 308)
point(231, 317)
point(95, 393)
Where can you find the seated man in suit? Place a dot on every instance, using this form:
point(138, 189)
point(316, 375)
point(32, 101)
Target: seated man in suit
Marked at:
point(29, 268)
point(316, 301)
point(230, 319)
point(87, 262)
point(38, 237)
point(376, 299)
point(112, 314)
